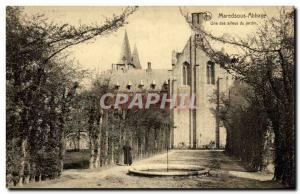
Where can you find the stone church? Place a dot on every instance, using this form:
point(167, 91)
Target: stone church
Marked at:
point(192, 73)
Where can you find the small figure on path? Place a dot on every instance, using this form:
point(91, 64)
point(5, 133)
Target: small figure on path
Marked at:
point(127, 154)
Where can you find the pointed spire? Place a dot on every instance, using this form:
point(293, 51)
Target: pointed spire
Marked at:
point(125, 57)
point(135, 58)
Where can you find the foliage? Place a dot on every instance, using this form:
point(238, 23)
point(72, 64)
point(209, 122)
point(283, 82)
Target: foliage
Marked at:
point(41, 87)
point(109, 130)
point(266, 62)
point(247, 127)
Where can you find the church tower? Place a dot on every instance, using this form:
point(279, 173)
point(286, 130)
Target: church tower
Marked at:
point(128, 60)
point(125, 57)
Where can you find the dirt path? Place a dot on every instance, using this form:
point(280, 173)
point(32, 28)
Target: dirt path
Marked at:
point(225, 173)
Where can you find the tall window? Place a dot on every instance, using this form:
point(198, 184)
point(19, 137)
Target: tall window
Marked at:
point(186, 74)
point(210, 72)
point(212, 68)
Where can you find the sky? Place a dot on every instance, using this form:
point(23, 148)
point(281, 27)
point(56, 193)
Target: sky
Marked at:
point(156, 31)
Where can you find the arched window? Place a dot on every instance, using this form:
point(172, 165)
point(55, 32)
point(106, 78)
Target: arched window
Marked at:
point(186, 74)
point(212, 68)
point(210, 72)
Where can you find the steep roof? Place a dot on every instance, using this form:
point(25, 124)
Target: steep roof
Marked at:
point(135, 58)
point(139, 79)
point(125, 51)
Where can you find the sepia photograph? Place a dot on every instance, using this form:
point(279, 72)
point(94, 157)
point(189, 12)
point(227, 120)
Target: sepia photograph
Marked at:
point(150, 97)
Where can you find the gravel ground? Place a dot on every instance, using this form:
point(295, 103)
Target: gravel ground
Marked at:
point(225, 173)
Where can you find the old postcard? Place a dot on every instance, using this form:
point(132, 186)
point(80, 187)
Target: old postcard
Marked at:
point(150, 97)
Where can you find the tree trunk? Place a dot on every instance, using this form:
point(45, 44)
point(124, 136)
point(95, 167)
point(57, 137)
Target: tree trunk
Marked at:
point(92, 154)
point(285, 158)
point(113, 151)
point(106, 147)
point(40, 178)
point(62, 151)
point(98, 156)
point(78, 142)
point(22, 161)
point(27, 177)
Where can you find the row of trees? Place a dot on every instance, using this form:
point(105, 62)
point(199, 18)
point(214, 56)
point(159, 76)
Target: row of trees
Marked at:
point(109, 130)
point(41, 87)
point(248, 127)
point(265, 63)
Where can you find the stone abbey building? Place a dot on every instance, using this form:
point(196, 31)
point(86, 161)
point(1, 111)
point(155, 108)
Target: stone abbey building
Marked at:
point(192, 73)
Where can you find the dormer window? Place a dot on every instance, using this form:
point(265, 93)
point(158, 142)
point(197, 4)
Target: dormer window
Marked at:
point(165, 86)
point(117, 86)
point(153, 84)
point(129, 85)
point(141, 85)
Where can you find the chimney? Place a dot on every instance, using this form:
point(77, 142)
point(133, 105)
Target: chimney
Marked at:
point(149, 66)
point(199, 17)
point(195, 18)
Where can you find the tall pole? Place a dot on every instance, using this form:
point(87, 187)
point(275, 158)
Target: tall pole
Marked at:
point(217, 115)
point(168, 149)
point(170, 126)
point(170, 87)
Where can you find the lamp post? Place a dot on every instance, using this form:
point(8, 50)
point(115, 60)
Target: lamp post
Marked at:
point(217, 115)
point(171, 92)
point(168, 149)
point(168, 144)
